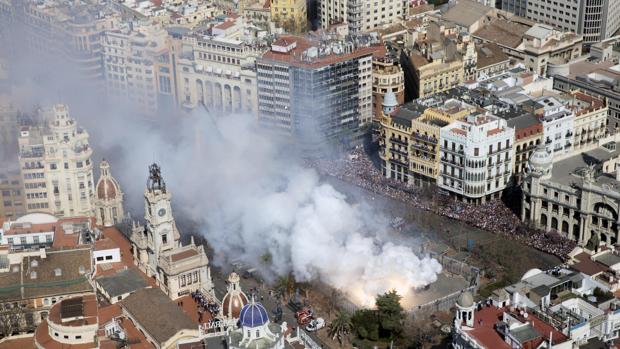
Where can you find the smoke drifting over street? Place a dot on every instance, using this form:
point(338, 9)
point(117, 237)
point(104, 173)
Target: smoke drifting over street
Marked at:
point(248, 193)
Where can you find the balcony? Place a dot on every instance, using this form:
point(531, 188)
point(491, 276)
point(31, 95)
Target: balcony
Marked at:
point(425, 138)
point(399, 151)
point(548, 141)
point(453, 151)
point(569, 134)
point(423, 148)
point(399, 162)
point(399, 141)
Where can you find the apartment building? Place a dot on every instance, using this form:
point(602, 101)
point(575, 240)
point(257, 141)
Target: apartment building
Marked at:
point(528, 135)
point(55, 166)
point(138, 67)
point(596, 20)
point(70, 34)
point(558, 126)
point(476, 157)
point(317, 92)
point(387, 76)
point(590, 122)
point(218, 72)
point(435, 75)
point(290, 15)
point(11, 195)
point(361, 15)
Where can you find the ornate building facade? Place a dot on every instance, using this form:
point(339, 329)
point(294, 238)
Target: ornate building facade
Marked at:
point(578, 196)
point(109, 198)
point(157, 250)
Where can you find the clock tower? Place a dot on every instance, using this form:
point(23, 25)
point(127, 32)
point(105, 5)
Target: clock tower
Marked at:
point(161, 230)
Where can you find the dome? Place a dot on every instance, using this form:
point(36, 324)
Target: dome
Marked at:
point(389, 99)
point(253, 315)
point(37, 218)
point(530, 273)
point(466, 300)
point(107, 187)
point(540, 160)
point(235, 299)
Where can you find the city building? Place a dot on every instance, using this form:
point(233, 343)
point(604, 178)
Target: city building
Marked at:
point(12, 204)
point(409, 143)
point(590, 123)
point(218, 72)
point(577, 196)
point(300, 96)
point(138, 67)
point(595, 20)
point(235, 299)
point(71, 322)
point(360, 15)
point(69, 33)
point(162, 322)
point(528, 135)
point(55, 166)
point(476, 157)
point(433, 76)
point(542, 49)
point(490, 61)
point(387, 76)
point(108, 203)
point(558, 126)
point(42, 230)
point(599, 79)
point(58, 274)
point(181, 13)
point(290, 15)
point(157, 251)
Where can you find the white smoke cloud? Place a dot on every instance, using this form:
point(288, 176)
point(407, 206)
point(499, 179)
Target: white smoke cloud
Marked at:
point(246, 191)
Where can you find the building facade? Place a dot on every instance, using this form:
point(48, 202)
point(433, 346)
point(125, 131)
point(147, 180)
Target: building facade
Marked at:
point(438, 75)
point(12, 203)
point(360, 15)
point(596, 20)
point(55, 166)
point(387, 76)
point(315, 95)
point(157, 251)
point(290, 15)
point(476, 157)
point(219, 73)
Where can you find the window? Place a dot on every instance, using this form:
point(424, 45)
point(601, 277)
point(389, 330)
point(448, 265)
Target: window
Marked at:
point(107, 258)
point(99, 259)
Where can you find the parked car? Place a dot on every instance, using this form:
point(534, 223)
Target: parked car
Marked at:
point(315, 325)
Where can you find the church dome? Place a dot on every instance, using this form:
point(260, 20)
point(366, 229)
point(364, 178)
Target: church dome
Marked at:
point(235, 299)
point(389, 99)
point(107, 187)
point(466, 300)
point(541, 160)
point(253, 315)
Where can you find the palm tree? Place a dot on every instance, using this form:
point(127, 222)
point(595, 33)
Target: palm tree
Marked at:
point(340, 327)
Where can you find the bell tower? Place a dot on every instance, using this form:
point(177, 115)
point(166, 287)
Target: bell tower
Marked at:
point(160, 225)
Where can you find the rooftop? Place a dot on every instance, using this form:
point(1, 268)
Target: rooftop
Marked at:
point(148, 306)
point(123, 282)
point(466, 12)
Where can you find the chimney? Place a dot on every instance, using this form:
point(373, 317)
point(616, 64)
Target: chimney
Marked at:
point(42, 253)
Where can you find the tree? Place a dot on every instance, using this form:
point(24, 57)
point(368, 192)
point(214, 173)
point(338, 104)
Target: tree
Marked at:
point(365, 324)
point(390, 313)
point(11, 319)
point(340, 327)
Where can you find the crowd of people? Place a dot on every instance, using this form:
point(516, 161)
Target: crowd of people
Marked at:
point(203, 304)
point(492, 216)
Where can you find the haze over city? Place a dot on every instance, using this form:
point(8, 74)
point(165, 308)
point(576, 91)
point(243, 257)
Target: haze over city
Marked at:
point(287, 174)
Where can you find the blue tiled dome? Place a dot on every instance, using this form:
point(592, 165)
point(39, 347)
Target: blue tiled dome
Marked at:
point(253, 315)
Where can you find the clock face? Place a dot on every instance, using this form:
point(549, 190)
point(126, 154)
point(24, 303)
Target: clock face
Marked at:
point(161, 212)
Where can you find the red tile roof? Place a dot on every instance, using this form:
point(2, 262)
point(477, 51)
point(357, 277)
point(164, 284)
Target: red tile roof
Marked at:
point(587, 266)
point(183, 255)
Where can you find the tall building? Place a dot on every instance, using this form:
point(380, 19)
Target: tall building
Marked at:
point(361, 15)
point(219, 72)
point(432, 76)
point(55, 166)
point(290, 15)
point(387, 76)
point(475, 157)
point(109, 198)
point(138, 67)
point(596, 20)
point(157, 251)
point(316, 92)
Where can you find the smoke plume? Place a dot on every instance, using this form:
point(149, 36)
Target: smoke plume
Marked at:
point(248, 192)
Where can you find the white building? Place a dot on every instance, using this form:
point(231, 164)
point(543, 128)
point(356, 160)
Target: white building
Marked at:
point(361, 15)
point(219, 72)
point(55, 165)
point(109, 198)
point(558, 126)
point(157, 249)
point(32, 230)
point(475, 157)
point(138, 67)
